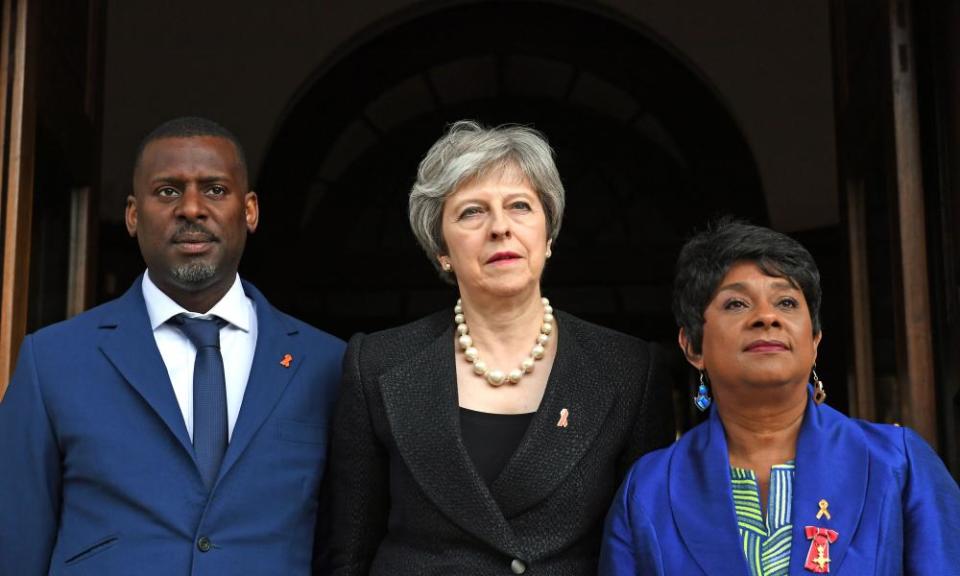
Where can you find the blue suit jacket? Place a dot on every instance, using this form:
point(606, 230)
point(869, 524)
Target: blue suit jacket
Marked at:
point(893, 503)
point(98, 472)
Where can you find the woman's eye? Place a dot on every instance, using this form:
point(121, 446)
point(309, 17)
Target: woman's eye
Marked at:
point(168, 192)
point(789, 303)
point(521, 205)
point(470, 211)
point(734, 305)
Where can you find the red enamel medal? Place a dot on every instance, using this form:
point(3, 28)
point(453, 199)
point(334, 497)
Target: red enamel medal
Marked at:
point(818, 558)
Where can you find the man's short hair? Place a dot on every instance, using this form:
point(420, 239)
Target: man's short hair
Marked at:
point(192, 127)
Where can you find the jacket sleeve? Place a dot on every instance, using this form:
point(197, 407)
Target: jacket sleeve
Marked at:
point(31, 473)
point(931, 512)
point(629, 546)
point(654, 426)
point(359, 475)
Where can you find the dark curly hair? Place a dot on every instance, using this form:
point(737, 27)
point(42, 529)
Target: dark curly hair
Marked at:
point(708, 255)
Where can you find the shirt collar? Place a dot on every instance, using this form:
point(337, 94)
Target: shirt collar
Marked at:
point(234, 307)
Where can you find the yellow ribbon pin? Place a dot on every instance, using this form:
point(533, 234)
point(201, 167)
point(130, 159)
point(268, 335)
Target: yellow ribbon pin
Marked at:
point(823, 510)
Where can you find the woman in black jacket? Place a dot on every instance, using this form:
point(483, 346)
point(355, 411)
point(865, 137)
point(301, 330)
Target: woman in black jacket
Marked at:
point(488, 438)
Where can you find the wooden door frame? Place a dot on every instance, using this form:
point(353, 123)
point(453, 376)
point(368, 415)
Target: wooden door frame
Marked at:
point(18, 57)
point(917, 372)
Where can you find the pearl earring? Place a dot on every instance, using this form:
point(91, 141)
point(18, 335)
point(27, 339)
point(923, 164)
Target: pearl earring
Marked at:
point(446, 266)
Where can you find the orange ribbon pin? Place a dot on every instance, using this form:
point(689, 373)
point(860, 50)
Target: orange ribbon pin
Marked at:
point(287, 359)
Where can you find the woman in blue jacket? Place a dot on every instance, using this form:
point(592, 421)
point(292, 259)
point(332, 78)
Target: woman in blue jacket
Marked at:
point(775, 482)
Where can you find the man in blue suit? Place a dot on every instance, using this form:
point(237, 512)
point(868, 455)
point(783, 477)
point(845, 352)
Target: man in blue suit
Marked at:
point(180, 429)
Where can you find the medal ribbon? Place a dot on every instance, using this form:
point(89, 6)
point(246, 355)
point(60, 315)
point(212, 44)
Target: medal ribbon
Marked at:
point(818, 558)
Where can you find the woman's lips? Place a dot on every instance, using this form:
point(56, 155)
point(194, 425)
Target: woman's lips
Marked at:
point(503, 257)
point(766, 346)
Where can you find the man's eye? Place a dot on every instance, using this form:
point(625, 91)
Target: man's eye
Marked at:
point(168, 192)
point(216, 190)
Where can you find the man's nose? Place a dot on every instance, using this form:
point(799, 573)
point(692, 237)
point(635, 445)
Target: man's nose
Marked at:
point(192, 204)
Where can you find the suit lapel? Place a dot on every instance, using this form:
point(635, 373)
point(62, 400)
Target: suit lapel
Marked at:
point(702, 500)
point(129, 345)
point(268, 377)
point(548, 453)
point(420, 399)
point(832, 465)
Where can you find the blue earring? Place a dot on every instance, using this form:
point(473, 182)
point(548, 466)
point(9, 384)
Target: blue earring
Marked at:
point(702, 400)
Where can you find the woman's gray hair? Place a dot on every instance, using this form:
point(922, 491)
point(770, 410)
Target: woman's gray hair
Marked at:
point(469, 150)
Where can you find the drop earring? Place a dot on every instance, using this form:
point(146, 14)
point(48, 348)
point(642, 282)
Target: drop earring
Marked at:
point(819, 394)
point(702, 400)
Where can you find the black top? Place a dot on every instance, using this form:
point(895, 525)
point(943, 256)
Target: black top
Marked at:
point(491, 439)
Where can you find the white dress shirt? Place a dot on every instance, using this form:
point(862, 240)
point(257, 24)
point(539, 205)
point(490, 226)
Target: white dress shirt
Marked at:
point(238, 341)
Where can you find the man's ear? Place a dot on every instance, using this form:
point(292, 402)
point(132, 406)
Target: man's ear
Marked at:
point(695, 359)
point(252, 211)
point(130, 216)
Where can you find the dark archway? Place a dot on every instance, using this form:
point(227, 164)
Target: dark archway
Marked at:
point(646, 149)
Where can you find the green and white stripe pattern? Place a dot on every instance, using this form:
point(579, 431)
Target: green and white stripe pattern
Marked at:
point(766, 544)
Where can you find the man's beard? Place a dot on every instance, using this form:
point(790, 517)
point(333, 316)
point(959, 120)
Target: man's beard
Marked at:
point(194, 273)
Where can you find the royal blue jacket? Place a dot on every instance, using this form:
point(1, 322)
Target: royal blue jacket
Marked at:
point(97, 472)
point(891, 500)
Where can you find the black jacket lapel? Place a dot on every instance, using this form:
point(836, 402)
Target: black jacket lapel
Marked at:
point(548, 452)
point(420, 399)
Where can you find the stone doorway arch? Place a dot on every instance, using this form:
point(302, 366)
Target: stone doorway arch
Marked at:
point(645, 146)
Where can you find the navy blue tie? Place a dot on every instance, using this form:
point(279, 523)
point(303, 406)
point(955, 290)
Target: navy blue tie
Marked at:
point(209, 394)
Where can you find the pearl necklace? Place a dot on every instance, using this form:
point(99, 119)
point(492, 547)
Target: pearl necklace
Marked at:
point(497, 377)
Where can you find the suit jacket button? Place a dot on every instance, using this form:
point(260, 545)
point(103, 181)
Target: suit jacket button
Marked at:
point(517, 566)
point(204, 544)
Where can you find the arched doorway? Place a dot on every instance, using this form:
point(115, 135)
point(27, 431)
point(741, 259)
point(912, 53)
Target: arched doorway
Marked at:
point(645, 147)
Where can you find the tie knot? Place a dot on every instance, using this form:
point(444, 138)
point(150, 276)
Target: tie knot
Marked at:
point(203, 332)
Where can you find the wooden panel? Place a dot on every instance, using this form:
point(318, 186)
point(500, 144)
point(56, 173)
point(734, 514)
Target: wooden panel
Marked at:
point(919, 391)
point(79, 274)
point(861, 382)
point(17, 182)
point(5, 43)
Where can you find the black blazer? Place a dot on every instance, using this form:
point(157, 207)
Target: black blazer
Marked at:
point(406, 498)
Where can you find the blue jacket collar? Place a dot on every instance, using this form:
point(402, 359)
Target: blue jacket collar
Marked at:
point(831, 464)
point(128, 343)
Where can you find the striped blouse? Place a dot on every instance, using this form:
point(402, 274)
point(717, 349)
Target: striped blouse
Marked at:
point(766, 542)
